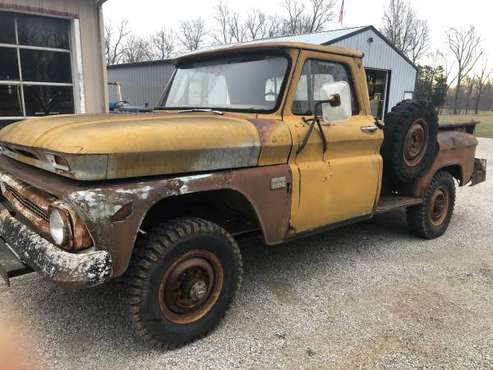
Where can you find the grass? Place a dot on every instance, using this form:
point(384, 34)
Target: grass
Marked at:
point(485, 129)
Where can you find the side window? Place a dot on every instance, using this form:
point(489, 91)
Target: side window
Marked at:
point(316, 74)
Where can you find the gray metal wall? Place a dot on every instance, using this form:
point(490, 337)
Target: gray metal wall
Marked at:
point(379, 55)
point(141, 84)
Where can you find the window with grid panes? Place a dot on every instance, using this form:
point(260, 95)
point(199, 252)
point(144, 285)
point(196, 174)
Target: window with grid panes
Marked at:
point(35, 66)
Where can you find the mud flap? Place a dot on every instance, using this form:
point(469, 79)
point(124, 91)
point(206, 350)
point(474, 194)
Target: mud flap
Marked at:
point(10, 266)
point(479, 173)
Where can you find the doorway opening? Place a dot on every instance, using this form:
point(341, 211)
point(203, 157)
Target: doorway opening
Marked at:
point(378, 89)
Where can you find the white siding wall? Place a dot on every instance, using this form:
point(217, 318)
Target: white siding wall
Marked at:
point(379, 55)
point(140, 84)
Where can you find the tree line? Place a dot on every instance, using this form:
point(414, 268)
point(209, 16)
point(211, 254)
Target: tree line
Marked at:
point(227, 26)
point(458, 77)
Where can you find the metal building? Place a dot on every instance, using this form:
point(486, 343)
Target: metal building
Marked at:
point(51, 58)
point(391, 75)
point(142, 84)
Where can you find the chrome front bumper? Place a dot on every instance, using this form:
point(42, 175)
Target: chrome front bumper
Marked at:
point(76, 270)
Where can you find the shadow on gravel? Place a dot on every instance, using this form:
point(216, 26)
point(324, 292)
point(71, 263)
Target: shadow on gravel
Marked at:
point(80, 321)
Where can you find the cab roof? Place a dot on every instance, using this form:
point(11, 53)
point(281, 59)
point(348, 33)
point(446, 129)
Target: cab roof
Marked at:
point(266, 46)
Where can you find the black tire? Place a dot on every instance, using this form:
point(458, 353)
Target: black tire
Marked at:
point(431, 219)
point(410, 141)
point(182, 280)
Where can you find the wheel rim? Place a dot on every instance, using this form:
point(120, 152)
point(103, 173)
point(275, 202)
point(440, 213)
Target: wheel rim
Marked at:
point(191, 286)
point(439, 206)
point(416, 143)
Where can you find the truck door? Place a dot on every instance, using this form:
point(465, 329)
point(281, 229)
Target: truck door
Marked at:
point(341, 183)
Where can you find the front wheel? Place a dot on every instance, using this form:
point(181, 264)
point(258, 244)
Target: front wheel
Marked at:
point(431, 218)
point(182, 280)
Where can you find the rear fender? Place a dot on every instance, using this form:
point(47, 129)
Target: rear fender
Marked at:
point(456, 155)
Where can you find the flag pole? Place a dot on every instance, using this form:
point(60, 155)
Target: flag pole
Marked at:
point(341, 14)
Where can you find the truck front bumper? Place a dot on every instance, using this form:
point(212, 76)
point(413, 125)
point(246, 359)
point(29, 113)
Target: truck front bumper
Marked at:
point(75, 270)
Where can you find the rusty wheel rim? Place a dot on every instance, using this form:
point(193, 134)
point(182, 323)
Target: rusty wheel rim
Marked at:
point(415, 143)
point(191, 287)
point(439, 206)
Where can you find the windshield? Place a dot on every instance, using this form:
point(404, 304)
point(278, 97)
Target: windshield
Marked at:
point(245, 83)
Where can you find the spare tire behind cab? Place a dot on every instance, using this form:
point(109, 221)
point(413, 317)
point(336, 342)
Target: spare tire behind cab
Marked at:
point(410, 143)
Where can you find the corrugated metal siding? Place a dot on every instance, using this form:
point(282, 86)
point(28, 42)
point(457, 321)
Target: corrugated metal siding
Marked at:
point(92, 59)
point(379, 55)
point(141, 84)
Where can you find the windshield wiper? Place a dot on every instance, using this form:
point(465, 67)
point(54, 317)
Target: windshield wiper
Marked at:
point(193, 110)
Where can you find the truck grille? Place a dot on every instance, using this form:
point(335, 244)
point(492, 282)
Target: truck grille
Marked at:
point(27, 203)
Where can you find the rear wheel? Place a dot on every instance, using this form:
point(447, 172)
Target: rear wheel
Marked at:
point(182, 281)
point(431, 219)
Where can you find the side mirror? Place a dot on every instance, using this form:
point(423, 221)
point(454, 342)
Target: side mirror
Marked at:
point(336, 102)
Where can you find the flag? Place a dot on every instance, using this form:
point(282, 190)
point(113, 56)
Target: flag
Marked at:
point(341, 14)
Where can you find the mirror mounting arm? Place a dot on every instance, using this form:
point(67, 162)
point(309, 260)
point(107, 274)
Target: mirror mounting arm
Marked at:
point(312, 122)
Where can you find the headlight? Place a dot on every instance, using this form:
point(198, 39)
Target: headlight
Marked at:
point(60, 228)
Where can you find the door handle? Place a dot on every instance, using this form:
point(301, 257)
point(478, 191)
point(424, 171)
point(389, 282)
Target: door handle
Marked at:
point(369, 129)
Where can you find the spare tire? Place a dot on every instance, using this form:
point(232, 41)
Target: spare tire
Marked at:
point(410, 142)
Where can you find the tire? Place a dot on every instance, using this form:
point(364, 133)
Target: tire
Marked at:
point(431, 219)
point(182, 280)
point(410, 141)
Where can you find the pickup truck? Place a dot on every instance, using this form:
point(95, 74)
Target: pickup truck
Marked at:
point(274, 139)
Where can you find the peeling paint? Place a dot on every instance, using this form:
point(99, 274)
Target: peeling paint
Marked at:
point(85, 269)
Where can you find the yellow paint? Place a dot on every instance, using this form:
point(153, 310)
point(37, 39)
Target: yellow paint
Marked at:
point(343, 182)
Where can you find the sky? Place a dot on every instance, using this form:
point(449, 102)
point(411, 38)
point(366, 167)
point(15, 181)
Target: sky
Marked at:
point(146, 16)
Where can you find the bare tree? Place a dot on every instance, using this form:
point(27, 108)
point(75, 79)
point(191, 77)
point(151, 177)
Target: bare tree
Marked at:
point(307, 17)
point(293, 23)
point(192, 34)
point(136, 50)
point(320, 13)
point(222, 16)
point(237, 28)
point(403, 28)
point(274, 27)
point(230, 26)
point(465, 45)
point(469, 84)
point(256, 25)
point(482, 79)
point(115, 38)
point(163, 44)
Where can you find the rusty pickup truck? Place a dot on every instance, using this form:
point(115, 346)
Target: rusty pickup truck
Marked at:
point(275, 139)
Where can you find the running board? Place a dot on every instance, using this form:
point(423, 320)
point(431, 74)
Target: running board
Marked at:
point(392, 202)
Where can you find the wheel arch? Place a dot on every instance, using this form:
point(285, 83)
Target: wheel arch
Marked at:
point(205, 204)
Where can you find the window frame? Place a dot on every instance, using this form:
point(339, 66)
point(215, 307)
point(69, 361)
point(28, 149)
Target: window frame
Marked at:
point(20, 83)
point(356, 110)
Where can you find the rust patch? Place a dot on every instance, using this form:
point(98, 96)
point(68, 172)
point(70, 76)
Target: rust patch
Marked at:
point(103, 207)
point(456, 149)
point(265, 128)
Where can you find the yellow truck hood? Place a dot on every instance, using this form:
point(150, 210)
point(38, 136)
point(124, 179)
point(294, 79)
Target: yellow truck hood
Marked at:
point(132, 145)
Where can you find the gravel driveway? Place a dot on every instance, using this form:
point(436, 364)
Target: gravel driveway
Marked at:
point(368, 295)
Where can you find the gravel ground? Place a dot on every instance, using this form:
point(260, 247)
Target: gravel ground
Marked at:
point(368, 295)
